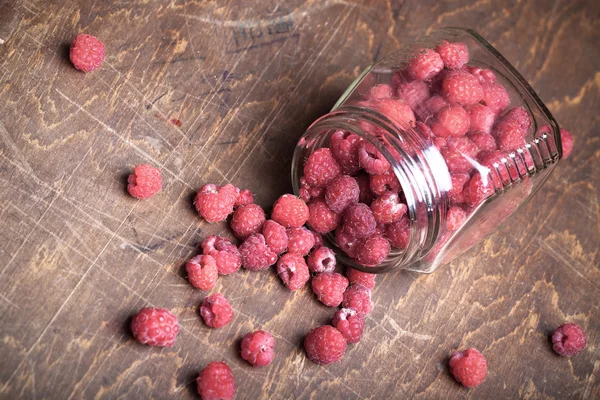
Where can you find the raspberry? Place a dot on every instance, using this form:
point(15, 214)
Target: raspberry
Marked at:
point(519, 115)
point(458, 182)
point(413, 93)
point(320, 168)
point(365, 195)
point(292, 270)
point(484, 75)
point(468, 367)
point(225, 253)
point(256, 256)
point(329, 288)
point(484, 141)
point(371, 159)
point(275, 236)
point(425, 65)
point(244, 198)
point(459, 154)
point(216, 311)
point(321, 260)
point(495, 97)
point(216, 382)
point(247, 220)
point(341, 193)
point(364, 278)
point(397, 111)
point(318, 240)
point(481, 117)
point(398, 233)
point(300, 240)
point(258, 348)
point(381, 91)
point(322, 219)
point(567, 142)
point(304, 194)
point(430, 107)
point(202, 272)
point(381, 183)
point(477, 190)
point(290, 211)
point(451, 121)
point(455, 218)
point(145, 182)
point(349, 323)
point(325, 345)
point(373, 251)
point(155, 327)
point(87, 52)
point(497, 162)
point(387, 208)
point(215, 203)
point(460, 87)
point(344, 147)
point(568, 340)
point(348, 243)
point(510, 135)
point(358, 297)
point(359, 221)
point(454, 55)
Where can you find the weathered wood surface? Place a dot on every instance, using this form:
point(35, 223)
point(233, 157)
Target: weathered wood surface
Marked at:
point(245, 78)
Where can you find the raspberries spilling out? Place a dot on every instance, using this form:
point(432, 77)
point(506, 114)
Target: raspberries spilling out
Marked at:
point(290, 211)
point(145, 182)
point(358, 297)
point(321, 260)
point(216, 382)
point(329, 288)
point(322, 219)
point(87, 52)
point(216, 311)
point(258, 348)
point(202, 272)
point(468, 367)
point(568, 340)
point(256, 256)
point(300, 240)
point(325, 345)
point(275, 236)
point(247, 220)
point(215, 203)
point(350, 323)
point(293, 271)
point(342, 192)
point(225, 253)
point(155, 327)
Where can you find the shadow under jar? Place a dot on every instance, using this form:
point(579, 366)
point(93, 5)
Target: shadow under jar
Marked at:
point(444, 141)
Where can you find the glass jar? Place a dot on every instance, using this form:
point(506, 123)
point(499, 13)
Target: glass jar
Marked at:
point(443, 141)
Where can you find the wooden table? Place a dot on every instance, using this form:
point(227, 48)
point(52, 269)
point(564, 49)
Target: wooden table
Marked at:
point(220, 92)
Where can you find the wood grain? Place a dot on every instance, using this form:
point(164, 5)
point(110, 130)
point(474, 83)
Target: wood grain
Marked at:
point(78, 256)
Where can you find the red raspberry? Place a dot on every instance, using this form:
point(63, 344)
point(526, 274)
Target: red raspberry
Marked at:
point(568, 340)
point(371, 159)
point(318, 240)
point(256, 256)
point(413, 93)
point(497, 163)
point(425, 65)
point(320, 168)
point(484, 141)
point(341, 193)
point(202, 272)
point(292, 270)
point(397, 111)
point(468, 367)
point(387, 208)
point(275, 236)
point(430, 107)
point(216, 311)
point(381, 91)
point(460, 87)
point(348, 243)
point(373, 251)
point(87, 52)
point(567, 142)
point(455, 218)
point(519, 115)
point(290, 211)
point(386, 182)
point(216, 382)
point(215, 203)
point(329, 288)
point(495, 97)
point(225, 253)
point(358, 297)
point(510, 135)
point(321, 260)
point(300, 240)
point(349, 323)
point(398, 233)
point(247, 220)
point(359, 221)
point(358, 277)
point(344, 147)
point(477, 190)
point(481, 117)
point(484, 75)
point(258, 348)
point(459, 180)
point(322, 219)
point(325, 345)
point(451, 121)
point(454, 55)
point(145, 182)
point(155, 327)
point(459, 154)
point(365, 195)
point(244, 198)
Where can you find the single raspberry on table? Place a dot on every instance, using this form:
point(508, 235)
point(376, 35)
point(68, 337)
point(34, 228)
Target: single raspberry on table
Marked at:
point(568, 339)
point(321, 260)
point(247, 220)
point(256, 256)
point(430, 107)
point(481, 117)
point(155, 327)
point(86, 53)
point(350, 323)
point(484, 141)
point(300, 240)
point(455, 218)
point(386, 182)
point(387, 208)
point(371, 159)
point(275, 236)
point(348, 243)
point(358, 297)
point(344, 147)
point(244, 198)
point(459, 154)
point(329, 288)
point(495, 97)
point(292, 270)
point(454, 55)
point(202, 272)
point(365, 196)
point(258, 348)
point(460, 87)
point(215, 203)
point(452, 121)
point(325, 345)
point(290, 211)
point(216, 382)
point(359, 221)
point(381, 91)
point(413, 93)
point(225, 253)
point(322, 219)
point(567, 142)
point(216, 311)
point(398, 233)
point(425, 65)
point(144, 182)
point(341, 193)
point(358, 277)
point(468, 367)
point(373, 251)
point(320, 168)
